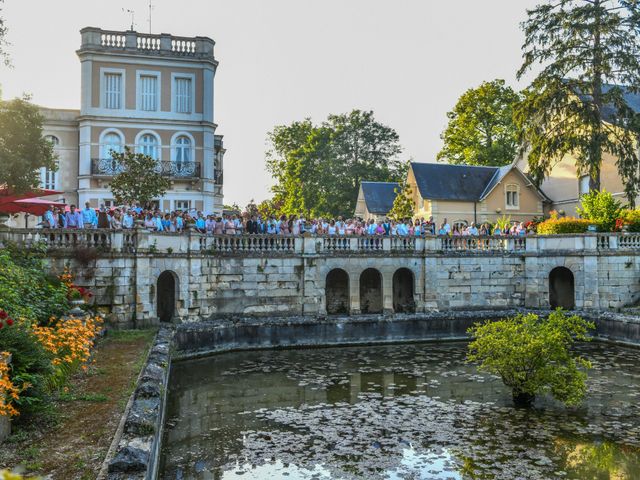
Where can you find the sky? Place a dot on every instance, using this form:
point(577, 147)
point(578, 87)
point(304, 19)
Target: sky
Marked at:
point(285, 60)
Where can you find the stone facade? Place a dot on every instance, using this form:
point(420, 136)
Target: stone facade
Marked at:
point(213, 277)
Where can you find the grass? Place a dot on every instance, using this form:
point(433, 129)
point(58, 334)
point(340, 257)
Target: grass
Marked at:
point(85, 397)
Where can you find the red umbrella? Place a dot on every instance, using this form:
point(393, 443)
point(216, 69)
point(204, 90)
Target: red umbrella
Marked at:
point(33, 206)
point(7, 195)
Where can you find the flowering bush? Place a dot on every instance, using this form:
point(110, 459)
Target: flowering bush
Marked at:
point(74, 292)
point(69, 341)
point(629, 219)
point(8, 391)
point(556, 225)
point(42, 357)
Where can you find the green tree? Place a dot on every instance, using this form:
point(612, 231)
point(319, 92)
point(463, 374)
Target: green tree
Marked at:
point(481, 129)
point(23, 149)
point(139, 180)
point(318, 168)
point(601, 208)
point(587, 50)
point(533, 355)
point(3, 39)
point(403, 206)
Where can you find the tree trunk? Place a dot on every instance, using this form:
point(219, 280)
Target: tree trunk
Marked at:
point(522, 399)
point(595, 160)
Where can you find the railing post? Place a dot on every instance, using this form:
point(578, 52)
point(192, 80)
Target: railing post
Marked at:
point(310, 245)
point(165, 42)
point(531, 244)
point(131, 39)
point(386, 244)
point(143, 240)
point(613, 242)
point(194, 241)
point(353, 244)
point(591, 242)
point(117, 241)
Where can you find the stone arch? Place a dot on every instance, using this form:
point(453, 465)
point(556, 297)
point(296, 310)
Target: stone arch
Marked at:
point(167, 295)
point(337, 291)
point(403, 288)
point(371, 291)
point(562, 288)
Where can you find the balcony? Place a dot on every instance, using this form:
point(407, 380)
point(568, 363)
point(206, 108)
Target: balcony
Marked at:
point(108, 167)
point(131, 42)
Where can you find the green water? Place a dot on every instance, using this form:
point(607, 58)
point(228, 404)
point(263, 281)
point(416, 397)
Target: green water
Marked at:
point(393, 412)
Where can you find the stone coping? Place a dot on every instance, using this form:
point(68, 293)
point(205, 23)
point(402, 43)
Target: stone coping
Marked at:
point(138, 446)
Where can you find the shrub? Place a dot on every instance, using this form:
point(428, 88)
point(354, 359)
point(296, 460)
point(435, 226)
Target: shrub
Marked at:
point(601, 208)
point(630, 218)
point(533, 355)
point(27, 291)
point(556, 226)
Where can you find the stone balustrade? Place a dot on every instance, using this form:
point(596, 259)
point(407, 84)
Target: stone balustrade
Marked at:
point(143, 241)
point(97, 39)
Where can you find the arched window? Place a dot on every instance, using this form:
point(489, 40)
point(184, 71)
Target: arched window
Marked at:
point(183, 149)
point(111, 142)
point(512, 196)
point(48, 177)
point(149, 146)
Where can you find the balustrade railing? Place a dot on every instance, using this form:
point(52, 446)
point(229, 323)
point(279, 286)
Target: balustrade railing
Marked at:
point(140, 240)
point(110, 167)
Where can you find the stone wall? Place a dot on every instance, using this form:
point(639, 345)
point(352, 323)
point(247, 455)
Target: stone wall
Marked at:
point(215, 277)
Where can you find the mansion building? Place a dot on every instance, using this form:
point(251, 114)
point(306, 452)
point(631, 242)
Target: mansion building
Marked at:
point(152, 93)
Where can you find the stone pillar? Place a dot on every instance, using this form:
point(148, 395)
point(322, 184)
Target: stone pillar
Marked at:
point(430, 282)
point(131, 40)
point(387, 292)
point(590, 287)
point(165, 42)
point(117, 240)
point(354, 294)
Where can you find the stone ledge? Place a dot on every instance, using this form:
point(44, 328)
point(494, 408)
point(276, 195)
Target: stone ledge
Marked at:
point(137, 453)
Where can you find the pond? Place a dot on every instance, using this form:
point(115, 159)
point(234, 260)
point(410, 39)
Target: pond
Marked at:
point(408, 411)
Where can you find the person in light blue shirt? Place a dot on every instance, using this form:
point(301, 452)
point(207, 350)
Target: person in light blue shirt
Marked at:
point(73, 218)
point(127, 220)
point(473, 230)
point(50, 218)
point(201, 224)
point(89, 217)
point(371, 228)
point(157, 219)
point(403, 230)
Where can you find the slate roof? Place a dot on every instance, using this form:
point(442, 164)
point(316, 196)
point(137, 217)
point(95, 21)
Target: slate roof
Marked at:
point(608, 110)
point(439, 181)
point(379, 196)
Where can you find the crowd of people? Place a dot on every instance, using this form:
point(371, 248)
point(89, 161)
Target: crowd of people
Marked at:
point(236, 224)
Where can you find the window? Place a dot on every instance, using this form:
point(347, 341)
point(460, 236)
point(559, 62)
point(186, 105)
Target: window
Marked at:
point(110, 203)
point(48, 177)
point(512, 194)
point(183, 94)
point(583, 187)
point(113, 90)
point(148, 86)
point(149, 146)
point(183, 205)
point(111, 142)
point(183, 150)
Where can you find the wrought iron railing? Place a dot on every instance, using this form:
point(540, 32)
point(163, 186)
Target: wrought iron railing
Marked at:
point(109, 167)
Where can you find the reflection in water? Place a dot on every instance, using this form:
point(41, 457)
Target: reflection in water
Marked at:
point(393, 412)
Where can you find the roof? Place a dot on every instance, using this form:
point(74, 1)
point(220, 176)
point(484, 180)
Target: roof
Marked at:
point(632, 99)
point(439, 181)
point(379, 196)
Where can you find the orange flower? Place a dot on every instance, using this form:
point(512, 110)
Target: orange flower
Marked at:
point(9, 393)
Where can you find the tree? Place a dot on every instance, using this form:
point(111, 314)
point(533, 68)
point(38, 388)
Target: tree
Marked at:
point(601, 208)
point(139, 180)
point(403, 206)
point(318, 168)
point(23, 149)
point(481, 129)
point(533, 355)
point(588, 51)
point(3, 39)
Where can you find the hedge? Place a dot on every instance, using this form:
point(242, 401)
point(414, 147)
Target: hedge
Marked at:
point(555, 226)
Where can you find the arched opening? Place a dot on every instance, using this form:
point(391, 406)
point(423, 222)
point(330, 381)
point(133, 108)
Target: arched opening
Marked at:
point(337, 291)
point(561, 288)
point(166, 291)
point(403, 291)
point(371, 291)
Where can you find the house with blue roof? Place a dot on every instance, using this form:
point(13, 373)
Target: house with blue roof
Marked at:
point(461, 194)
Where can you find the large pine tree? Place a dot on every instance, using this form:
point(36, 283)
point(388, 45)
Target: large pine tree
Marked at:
point(589, 55)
